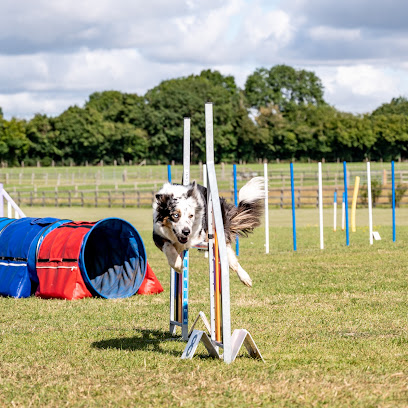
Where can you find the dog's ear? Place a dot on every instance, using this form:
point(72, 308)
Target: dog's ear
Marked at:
point(192, 190)
point(162, 198)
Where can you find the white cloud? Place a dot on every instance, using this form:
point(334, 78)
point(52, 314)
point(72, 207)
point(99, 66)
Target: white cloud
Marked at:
point(51, 52)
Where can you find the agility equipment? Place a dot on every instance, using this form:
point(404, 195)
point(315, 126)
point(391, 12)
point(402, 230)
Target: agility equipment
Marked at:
point(394, 232)
point(321, 205)
point(266, 209)
point(150, 284)
point(219, 336)
point(354, 204)
point(343, 211)
point(82, 259)
point(11, 205)
point(346, 203)
point(292, 190)
point(179, 282)
point(19, 240)
point(234, 172)
point(370, 204)
point(335, 211)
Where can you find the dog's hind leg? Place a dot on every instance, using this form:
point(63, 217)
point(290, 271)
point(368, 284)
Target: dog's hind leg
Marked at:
point(173, 258)
point(235, 266)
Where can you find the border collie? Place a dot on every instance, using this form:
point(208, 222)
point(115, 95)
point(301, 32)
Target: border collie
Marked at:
point(180, 220)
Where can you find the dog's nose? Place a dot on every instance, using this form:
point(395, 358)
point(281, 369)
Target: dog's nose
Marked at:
point(186, 231)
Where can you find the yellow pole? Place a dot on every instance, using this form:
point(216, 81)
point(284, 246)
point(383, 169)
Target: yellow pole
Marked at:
point(354, 204)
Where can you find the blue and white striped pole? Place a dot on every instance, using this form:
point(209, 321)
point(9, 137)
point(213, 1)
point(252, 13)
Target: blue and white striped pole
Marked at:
point(169, 173)
point(346, 202)
point(292, 184)
point(236, 204)
point(335, 211)
point(394, 237)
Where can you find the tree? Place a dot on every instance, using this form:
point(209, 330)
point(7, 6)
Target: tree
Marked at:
point(171, 101)
point(13, 140)
point(283, 86)
point(397, 106)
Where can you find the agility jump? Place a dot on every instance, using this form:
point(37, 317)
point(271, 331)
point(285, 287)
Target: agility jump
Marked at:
point(219, 336)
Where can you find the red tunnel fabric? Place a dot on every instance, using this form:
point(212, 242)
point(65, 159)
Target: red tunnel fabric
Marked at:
point(57, 263)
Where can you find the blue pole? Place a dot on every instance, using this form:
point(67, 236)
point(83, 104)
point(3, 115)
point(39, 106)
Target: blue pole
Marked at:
point(346, 202)
point(236, 204)
point(169, 173)
point(393, 201)
point(292, 184)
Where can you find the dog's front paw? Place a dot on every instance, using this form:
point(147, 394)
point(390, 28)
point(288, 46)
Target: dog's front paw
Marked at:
point(178, 265)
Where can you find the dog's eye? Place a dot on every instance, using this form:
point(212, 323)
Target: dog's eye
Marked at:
point(191, 216)
point(175, 216)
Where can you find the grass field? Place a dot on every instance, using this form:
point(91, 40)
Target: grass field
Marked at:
point(332, 326)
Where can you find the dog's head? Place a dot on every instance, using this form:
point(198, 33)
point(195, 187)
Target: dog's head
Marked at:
point(179, 209)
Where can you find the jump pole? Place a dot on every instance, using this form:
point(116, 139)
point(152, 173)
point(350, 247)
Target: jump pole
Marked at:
point(266, 209)
point(335, 211)
point(220, 331)
point(346, 203)
point(236, 204)
point(370, 204)
point(394, 234)
point(321, 205)
point(292, 185)
point(179, 282)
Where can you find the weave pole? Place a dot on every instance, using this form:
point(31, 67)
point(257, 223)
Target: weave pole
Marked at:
point(354, 204)
point(394, 232)
point(220, 330)
point(335, 211)
point(266, 209)
point(321, 205)
point(343, 211)
point(370, 204)
point(292, 189)
point(346, 203)
point(236, 204)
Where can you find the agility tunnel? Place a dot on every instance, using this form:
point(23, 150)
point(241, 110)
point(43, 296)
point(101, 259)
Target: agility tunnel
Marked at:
point(83, 259)
point(18, 243)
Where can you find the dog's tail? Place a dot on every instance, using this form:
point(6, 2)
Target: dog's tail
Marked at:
point(250, 207)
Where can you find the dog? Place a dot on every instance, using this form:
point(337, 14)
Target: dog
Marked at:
point(180, 220)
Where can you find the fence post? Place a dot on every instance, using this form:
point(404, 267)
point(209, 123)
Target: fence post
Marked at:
point(82, 199)
point(123, 199)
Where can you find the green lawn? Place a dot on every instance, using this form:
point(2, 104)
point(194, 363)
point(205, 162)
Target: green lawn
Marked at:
point(332, 326)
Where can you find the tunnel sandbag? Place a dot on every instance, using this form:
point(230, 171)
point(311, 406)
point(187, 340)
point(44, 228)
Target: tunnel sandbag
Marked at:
point(16, 239)
point(4, 222)
point(80, 259)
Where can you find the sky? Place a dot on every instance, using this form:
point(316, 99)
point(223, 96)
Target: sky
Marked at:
point(54, 54)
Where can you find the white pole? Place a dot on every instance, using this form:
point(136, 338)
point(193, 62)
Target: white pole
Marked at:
point(370, 204)
point(266, 209)
point(335, 212)
point(321, 205)
point(205, 185)
point(205, 175)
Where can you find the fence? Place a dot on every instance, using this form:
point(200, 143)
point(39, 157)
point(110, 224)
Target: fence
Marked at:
point(306, 197)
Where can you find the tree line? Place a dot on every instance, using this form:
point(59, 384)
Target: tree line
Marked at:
point(280, 114)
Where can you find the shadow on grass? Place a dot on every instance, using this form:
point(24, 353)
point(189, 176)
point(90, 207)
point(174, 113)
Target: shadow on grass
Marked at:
point(149, 340)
